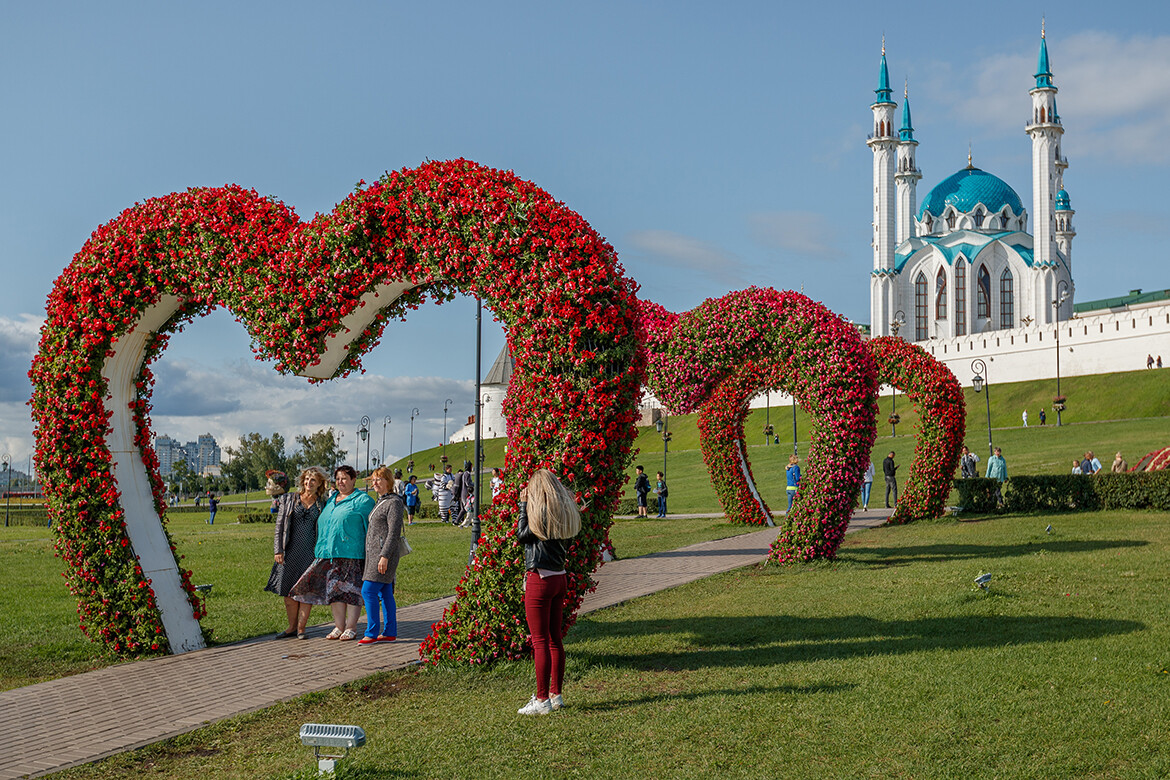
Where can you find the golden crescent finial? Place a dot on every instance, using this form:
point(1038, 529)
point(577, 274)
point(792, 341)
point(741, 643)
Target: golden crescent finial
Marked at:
point(906, 93)
point(883, 44)
point(1041, 26)
point(969, 163)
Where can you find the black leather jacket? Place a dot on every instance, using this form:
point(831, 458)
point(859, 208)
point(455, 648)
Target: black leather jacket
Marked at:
point(548, 554)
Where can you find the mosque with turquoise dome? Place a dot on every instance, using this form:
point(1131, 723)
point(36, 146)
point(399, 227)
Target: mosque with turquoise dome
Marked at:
point(964, 262)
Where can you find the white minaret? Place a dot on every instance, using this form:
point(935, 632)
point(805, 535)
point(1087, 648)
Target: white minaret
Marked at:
point(1045, 131)
point(908, 174)
point(884, 143)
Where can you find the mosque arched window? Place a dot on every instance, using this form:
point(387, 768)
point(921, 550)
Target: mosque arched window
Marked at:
point(960, 297)
point(978, 218)
point(983, 294)
point(950, 220)
point(940, 295)
point(920, 303)
point(1003, 219)
point(1006, 300)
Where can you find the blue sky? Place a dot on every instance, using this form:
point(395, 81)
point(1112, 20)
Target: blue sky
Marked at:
point(714, 145)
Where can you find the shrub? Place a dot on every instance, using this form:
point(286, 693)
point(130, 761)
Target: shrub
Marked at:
point(977, 494)
point(1134, 490)
point(256, 517)
point(1051, 492)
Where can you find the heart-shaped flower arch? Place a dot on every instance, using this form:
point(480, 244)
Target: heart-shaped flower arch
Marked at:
point(315, 296)
point(927, 383)
point(716, 351)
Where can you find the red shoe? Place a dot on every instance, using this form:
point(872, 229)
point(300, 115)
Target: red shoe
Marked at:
point(367, 640)
point(387, 638)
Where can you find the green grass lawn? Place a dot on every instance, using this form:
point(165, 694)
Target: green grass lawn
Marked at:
point(888, 662)
point(40, 640)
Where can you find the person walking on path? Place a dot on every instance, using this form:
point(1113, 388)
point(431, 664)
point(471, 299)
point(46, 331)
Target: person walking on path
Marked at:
point(1119, 465)
point(468, 492)
point(335, 576)
point(661, 489)
point(294, 537)
point(793, 475)
point(1043, 417)
point(548, 518)
point(968, 464)
point(1025, 416)
point(997, 470)
point(212, 508)
point(383, 549)
point(642, 488)
point(890, 470)
point(866, 484)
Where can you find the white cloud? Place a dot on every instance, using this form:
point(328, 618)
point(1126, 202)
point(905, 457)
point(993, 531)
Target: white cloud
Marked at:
point(1114, 93)
point(803, 233)
point(18, 344)
point(666, 247)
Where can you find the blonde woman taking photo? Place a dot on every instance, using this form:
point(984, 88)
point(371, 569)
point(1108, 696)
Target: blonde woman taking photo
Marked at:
point(547, 521)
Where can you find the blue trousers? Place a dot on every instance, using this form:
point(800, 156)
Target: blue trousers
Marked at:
point(379, 596)
point(791, 495)
point(662, 506)
point(865, 488)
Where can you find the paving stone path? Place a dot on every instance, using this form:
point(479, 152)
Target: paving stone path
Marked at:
point(74, 720)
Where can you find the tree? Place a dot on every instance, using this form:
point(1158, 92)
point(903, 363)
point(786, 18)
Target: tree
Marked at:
point(254, 456)
point(182, 477)
point(318, 449)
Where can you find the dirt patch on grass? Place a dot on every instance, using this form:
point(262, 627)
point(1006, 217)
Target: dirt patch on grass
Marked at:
point(383, 686)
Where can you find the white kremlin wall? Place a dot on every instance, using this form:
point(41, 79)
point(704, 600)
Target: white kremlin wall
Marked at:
point(1099, 342)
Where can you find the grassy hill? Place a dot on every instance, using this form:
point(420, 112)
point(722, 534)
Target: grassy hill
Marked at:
point(1106, 413)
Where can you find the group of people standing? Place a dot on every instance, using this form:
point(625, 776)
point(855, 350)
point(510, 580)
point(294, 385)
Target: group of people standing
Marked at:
point(642, 489)
point(1090, 465)
point(340, 550)
point(455, 494)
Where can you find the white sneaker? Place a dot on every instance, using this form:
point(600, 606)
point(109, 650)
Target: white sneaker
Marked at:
point(555, 702)
point(535, 706)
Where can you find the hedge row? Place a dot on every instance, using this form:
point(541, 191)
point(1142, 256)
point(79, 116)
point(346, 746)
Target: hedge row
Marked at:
point(1068, 492)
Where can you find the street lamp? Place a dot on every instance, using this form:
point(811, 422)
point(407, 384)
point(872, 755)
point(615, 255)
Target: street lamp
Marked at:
point(7, 460)
point(979, 368)
point(1062, 296)
point(663, 427)
point(385, 422)
point(410, 463)
point(899, 321)
point(364, 433)
point(446, 405)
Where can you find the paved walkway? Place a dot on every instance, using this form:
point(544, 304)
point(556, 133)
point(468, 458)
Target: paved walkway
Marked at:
point(74, 720)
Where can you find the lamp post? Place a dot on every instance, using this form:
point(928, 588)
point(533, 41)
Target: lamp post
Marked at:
point(979, 381)
point(899, 321)
point(446, 406)
point(364, 434)
point(1062, 296)
point(767, 418)
point(794, 451)
point(7, 460)
point(410, 463)
point(663, 427)
point(896, 327)
point(385, 422)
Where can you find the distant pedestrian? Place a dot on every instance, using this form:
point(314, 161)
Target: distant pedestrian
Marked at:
point(1043, 417)
point(866, 484)
point(661, 490)
point(212, 507)
point(642, 488)
point(1159, 361)
point(468, 494)
point(399, 485)
point(793, 475)
point(1076, 469)
point(410, 499)
point(1096, 463)
point(1149, 361)
point(1025, 416)
point(1087, 465)
point(890, 471)
point(968, 464)
point(497, 482)
point(1119, 465)
point(997, 470)
point(458, 505)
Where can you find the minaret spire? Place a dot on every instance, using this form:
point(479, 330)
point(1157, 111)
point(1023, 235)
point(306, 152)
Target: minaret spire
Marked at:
point(906, 179)
point(884, 144)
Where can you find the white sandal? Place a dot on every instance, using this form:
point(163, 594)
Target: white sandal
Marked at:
point(347, 635)
point(334, 634)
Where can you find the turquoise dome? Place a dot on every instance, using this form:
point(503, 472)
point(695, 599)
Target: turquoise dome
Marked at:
point(1062, 201)
point(966, 189)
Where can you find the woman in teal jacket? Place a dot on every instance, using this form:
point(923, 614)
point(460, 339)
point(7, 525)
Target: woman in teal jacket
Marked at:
point(335, 576)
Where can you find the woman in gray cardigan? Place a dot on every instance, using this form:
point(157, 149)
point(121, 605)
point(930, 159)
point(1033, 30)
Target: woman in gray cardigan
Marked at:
point(383, 539)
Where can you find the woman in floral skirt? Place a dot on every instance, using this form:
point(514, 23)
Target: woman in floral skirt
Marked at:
point(335, 577)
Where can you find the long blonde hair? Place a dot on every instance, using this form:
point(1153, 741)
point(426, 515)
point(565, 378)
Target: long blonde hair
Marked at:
point(322, 481)
point(552, 510)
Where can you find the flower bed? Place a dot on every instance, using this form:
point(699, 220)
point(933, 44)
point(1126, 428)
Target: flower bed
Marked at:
point(303, 289)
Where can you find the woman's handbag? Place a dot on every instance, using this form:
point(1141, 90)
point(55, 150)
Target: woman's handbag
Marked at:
point(404, 547)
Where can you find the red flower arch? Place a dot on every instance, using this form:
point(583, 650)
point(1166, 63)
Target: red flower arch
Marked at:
point(442, 228)
point(712, 354)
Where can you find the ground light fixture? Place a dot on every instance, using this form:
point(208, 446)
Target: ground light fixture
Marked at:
point(984, 582)
point(330, 736)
